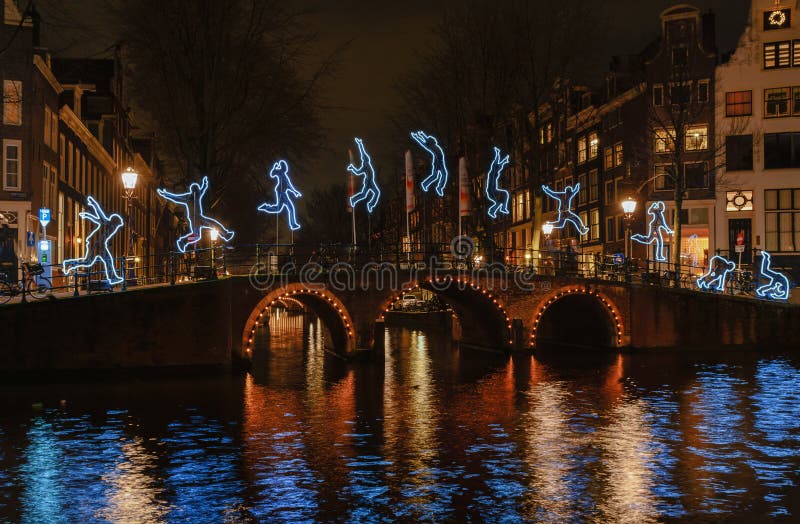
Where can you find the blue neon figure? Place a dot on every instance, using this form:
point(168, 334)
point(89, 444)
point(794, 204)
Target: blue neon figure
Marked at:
point(369, 189)
point(192, 202)
point(285, 193)
point(496, 195)
point(718, 270)
point(97, 248)
point(438, 162)
point(656, 230)
point(565, 199)
point(778, 286)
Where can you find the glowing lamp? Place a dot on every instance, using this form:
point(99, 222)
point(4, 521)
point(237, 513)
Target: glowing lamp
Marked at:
point(214, 232)
point(547, 229)
point(629, 206)
point(129, 179)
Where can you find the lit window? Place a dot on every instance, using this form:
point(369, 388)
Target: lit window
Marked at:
point(618, 156)
point(739, 201)
point(663, 141)
point(697, 138)
point(739, 103)
point(776, 102)
point(584, 189)
point(582, 150)
point(608, 158)
point(594, 145)
point(777, 55)
point(12, 102)
point(594, 224)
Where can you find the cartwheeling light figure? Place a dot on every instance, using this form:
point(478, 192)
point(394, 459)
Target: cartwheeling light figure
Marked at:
point(565, 213)
point(494, 193)
point(97, 242)
point(778, 286)
point(285, 193)
point(369, 188)
point(438, 163)
point(192, 202)
point(717, 275)
point(657, 228)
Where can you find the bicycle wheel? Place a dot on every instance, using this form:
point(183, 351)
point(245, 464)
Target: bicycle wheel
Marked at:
point(40, 289)
point(6, 292)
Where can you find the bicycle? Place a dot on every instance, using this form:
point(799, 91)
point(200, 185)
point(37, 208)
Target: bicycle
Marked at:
point(35, 285)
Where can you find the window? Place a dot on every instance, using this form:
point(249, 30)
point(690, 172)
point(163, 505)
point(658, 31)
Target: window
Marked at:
point(12, 102)
point(54, 130)
point(782, 214)
point(695, 175)
point(618, 154)
point(584, 216)
point(697, 138)
point(593, 186)
point(663, 141)
point(594, 145)
point(610, 229)
point(680, 93)
point(777, 19)
point(781, 150)
point(702, 91)
point(584, 189)
point(680, 56)
point(739, 103)
point(47, 123)
point(608, 158)
point(777, 55)
point(608, 192)
point(12, 152)
point(739, 200)
point(582, 150)
point(658, 95)
point(776, 102)
point(594, 224)
point(796, 100)
point(662, 179)
point(620, 227)
point(796, 53)
point(739, 152)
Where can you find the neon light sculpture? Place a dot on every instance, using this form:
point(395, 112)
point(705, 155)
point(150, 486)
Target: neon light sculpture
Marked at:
point(97, 248)
point(369, 189)
point(656, 230)
point(717, 274)
point(438, 162)
point(285, 193)
point(497, 196)
point(192, 202)
point(565, 212)
point(778, 286)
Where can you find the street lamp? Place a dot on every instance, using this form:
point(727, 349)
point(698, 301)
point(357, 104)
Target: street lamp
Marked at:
point(629, 208)
point(214, 234)
point(129, 179)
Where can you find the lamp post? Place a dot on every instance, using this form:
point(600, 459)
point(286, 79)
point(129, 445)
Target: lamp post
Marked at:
point(129, 179)
point(629, 208)
point(214, 236)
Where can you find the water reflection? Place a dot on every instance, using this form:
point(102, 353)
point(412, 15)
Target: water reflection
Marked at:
point(430, 432)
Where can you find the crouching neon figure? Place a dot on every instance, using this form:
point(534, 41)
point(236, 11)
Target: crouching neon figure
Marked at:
point(778, 286)
point(97, 249)
point(192, 202)
point(717, 275)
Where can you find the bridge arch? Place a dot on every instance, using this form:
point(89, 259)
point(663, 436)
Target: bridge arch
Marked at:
point(484, 318)
point(322, 302)
point(553, 318)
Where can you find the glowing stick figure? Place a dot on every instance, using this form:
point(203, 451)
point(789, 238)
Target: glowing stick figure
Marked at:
point(285, 192)
point(565, 212)
point(369, 189)
point(717, 274)
point(97, 249)
point(656, 230)
point(192, 202)
point(497, 196)
point(438, 162)
point(778, 286)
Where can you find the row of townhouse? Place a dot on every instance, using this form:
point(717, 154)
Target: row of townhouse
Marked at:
point(67, 135)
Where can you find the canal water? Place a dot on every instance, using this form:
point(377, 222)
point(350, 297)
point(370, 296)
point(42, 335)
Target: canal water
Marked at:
point(430, 433)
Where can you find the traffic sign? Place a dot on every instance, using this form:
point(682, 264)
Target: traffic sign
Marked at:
point(44, 216)
point(30, 239)
point(739, 248)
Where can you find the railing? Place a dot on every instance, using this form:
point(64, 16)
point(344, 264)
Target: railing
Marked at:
point(289, 259)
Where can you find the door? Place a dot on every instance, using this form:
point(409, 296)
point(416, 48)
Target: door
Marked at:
point(740, 241)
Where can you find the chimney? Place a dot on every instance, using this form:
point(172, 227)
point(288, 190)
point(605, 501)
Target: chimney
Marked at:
point(710, 31)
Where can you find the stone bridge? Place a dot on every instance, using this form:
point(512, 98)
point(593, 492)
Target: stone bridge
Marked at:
point(214, 322)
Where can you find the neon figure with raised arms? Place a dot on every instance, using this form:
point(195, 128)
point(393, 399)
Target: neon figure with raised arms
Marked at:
point(285, 193)
point(565, 212)
point(97, 248)
point(369, 188)
point(494, 193)
point(778, 286)
point(192, 202)
point(717, 275)
point(657, 228)
point(438, 172)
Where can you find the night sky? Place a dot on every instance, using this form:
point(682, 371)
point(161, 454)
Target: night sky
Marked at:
point(384, 39)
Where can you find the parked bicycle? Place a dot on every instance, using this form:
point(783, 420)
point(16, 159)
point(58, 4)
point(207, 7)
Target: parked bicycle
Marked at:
point(35, 284)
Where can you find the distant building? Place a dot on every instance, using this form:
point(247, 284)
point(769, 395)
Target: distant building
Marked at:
point(758, 115)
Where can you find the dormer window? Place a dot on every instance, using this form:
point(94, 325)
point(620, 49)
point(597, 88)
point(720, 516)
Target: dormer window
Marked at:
point(680, 56)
